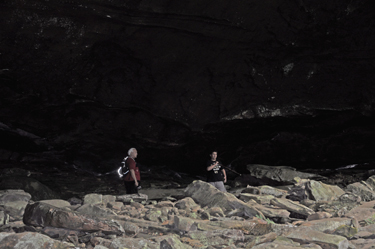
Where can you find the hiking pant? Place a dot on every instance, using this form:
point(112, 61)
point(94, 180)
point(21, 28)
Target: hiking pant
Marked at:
point(219, 185)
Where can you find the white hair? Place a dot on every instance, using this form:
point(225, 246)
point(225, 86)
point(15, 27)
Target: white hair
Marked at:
point(130, 151)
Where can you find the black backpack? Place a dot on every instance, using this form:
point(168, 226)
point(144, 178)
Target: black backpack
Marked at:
point(124, 169)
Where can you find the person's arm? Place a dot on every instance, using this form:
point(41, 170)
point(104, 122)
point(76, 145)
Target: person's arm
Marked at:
point(212, 166)
point(225, 175)
point(132, 173)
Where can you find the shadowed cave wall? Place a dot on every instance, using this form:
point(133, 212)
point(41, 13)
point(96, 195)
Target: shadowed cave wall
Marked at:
point(270, 82)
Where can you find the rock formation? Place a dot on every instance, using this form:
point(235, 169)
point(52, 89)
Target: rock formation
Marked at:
point(272, 82)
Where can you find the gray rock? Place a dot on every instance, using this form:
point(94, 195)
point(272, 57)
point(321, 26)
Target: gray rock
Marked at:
point(57, 203)
point(308, 235)
point(95, 211)
point(30, 241)
point(10, 195)
point(362, 189)
point(329, 225)
point(36, 189)
point(206, 195)
point(280, 174)
point(42, 215)
point(323, 192)
point(126, 199)
point(4, 218)
point(93, 199)
point(217, 237)
point(292, 206)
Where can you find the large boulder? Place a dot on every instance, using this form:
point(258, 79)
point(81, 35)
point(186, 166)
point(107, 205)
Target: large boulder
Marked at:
point(205, 194)
point(38, 190)
point(43, 215)
point(280, 175)
point(362, 189)
point(323, 192)
point(14, 202)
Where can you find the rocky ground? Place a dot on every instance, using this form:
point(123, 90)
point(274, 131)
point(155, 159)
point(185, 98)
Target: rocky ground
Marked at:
point(271, 206)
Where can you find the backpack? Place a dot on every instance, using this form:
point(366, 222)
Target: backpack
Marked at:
point(124, 169)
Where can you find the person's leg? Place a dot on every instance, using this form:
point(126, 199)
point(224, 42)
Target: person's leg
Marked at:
point(220, 186)
point(133, 188)
point(129, 186)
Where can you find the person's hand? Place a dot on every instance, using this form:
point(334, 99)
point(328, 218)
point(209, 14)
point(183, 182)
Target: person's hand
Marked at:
point(136, 183)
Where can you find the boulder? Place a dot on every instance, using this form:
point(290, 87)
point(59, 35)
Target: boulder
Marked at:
point(371, 181)
point(61, 233)
point(268, 190)
point(14, 202)
point(108, 198)
point(271, 211)
point(363, 243)
point(365, 213)
point(93, 199)
point(318, 216)
point(217, 237)
point(282, 175)
point(95, 211)
point(362, 189)
point(172, 242)
point(324, 192)
point(11, 195)
point(119, 243)
point(186, 203)
point(292, 206)
point(4, 218)
point(284, 243)
point(184, 224)
point(256, 240)
point(43, 215)
point(308, 235)
point(31, 240)
point(57, 203)
point(329, 225)
point(261, 199)
point(205, 194)
point(36, 189)
point(133, 197)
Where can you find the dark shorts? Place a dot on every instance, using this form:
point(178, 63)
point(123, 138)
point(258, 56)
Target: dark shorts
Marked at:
point(131, 188)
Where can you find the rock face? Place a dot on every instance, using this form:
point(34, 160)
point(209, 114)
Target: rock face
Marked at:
point(278, 81)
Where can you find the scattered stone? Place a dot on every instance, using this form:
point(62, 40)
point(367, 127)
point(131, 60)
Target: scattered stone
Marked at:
point(203, 218)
